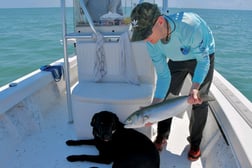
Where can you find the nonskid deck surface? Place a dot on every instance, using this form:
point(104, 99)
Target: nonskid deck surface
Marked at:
point(47, 148)
point(175, 154)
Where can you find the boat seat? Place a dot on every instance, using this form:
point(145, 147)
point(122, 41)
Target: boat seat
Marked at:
point(117, 93)
point(114, 92)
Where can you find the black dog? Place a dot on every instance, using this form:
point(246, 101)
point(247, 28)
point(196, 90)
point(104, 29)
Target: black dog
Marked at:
point(126, 148)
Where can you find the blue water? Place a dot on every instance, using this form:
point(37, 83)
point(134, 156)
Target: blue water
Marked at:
point(30, 38)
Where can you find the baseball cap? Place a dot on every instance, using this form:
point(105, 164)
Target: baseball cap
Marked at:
point(143, 17)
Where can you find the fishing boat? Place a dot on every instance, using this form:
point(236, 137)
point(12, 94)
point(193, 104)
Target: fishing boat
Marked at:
point(43, 109)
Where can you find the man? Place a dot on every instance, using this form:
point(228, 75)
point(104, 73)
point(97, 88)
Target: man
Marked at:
point(188, 43)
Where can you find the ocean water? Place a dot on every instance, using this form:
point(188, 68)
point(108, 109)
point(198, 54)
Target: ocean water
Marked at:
point(30, 38)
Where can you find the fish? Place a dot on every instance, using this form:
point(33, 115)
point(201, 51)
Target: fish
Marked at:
point(157, 112)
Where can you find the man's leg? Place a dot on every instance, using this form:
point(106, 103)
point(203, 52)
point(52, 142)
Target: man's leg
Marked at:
point(199, 116)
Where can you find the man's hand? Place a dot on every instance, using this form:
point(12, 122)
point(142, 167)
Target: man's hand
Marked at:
point(194, 97)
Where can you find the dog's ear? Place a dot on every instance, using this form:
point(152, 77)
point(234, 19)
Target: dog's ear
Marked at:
point(93, 120)
point(117, 122)
point(115, 117)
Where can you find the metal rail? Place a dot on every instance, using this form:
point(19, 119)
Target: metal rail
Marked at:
point(88, 36)
point(66, 64)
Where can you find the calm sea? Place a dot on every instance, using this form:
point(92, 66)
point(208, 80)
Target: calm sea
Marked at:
point(30, 38)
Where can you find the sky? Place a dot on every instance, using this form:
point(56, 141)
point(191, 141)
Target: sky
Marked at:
point(32, 3)
point(214, 4)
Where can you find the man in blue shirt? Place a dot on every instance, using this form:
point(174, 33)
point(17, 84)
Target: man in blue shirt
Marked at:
point(185, 40)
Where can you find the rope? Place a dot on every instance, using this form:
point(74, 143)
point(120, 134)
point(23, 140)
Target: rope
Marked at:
point(100, 67)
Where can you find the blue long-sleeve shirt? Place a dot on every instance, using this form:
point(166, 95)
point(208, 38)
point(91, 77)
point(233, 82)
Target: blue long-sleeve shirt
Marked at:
point(191, 39)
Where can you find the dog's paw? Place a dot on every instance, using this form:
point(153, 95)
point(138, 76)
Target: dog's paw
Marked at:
point(70, 142)
point(73, 158)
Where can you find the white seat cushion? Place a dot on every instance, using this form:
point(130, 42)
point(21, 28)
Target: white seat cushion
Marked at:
point(115, 93)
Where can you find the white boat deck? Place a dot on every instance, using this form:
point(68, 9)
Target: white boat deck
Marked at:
point(177, 148)
point(46, 147)
point(34, 127)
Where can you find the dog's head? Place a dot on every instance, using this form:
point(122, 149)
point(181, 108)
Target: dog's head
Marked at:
point(104, 125)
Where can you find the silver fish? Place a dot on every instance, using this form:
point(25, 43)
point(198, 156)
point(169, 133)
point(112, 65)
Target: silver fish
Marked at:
point(160, 111)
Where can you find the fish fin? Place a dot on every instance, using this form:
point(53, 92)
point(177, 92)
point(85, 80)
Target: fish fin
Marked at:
point(206, 97)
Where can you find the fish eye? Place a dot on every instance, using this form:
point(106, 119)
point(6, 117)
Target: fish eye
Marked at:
point(145, 117)
point(128, 121)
